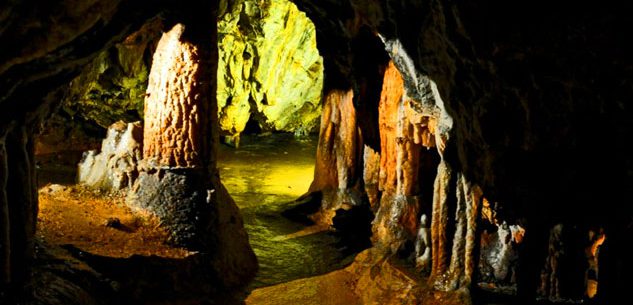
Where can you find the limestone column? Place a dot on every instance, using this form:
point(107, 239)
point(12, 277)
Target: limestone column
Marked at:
point(178, 179)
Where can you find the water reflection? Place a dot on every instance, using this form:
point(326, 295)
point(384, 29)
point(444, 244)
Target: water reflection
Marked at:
point(264, 176)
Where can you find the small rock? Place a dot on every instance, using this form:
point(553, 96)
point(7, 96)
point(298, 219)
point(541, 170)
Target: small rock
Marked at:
point(113, 222)
point(54, 188)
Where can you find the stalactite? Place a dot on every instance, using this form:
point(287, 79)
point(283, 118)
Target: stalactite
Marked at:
point(398, 219)
point(458, 251)
point(465, 238)
point(388, 118)
point(408, 154)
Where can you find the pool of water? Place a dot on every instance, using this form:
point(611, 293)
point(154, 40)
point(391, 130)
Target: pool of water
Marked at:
point(264, 176)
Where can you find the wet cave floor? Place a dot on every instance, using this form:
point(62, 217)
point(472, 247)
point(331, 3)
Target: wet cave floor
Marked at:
point(265, 175)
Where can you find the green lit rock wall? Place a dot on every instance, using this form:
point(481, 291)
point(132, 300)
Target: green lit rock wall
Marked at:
point(112, 87)
point(269, 67)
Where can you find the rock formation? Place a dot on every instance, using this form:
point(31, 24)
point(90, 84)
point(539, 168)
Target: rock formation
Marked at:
point(112, 87)
point(18, 209)
point(115, 167)
point(178, 179)
point(42, 55)
point(406, 164)
point(336, 173)
point(255, 39)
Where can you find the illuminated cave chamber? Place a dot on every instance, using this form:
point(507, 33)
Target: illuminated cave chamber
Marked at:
point(269, 80)
point(461, 137)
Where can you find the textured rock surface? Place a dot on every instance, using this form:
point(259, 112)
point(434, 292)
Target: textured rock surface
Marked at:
point(372, 278)
point(254, 42)
point(115, 167)
point(523, 134)
point(60, 135)
point(406, 165)
point(112, 87)
point(565, 275)
point(178, 179)
point(47, 46)
point(177, 115)
point(202, 216)
point(499, 253)
point(18, 209)
point(269, 67)
point(70, 276)
point(336, 173)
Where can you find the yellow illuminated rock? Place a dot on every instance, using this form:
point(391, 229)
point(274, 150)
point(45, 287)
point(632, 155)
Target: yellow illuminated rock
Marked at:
point(269, 67)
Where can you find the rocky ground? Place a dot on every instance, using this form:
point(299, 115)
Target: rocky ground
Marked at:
point(372, 278)
point(99, 224)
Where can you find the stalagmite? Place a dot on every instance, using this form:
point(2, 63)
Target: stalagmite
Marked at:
point(337, 171)
point(464, 241)
point(176, 122)
point(176, 137)
point(423, 245)
point(439, 221)
point(454, 259)
point(178, 179)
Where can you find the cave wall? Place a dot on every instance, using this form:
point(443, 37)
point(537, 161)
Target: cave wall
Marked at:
point(256, 38)
point(518, 101)
point(18, 209)
point(50, 45)
point(46, 46)
point(112, 87)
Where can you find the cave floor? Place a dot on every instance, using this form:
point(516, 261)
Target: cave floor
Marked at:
point(372, 278)
point(99, 224)
point(299, 264)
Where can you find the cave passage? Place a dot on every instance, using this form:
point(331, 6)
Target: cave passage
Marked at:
point(264, 176)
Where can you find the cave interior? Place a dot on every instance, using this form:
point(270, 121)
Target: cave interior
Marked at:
point(315, 152)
